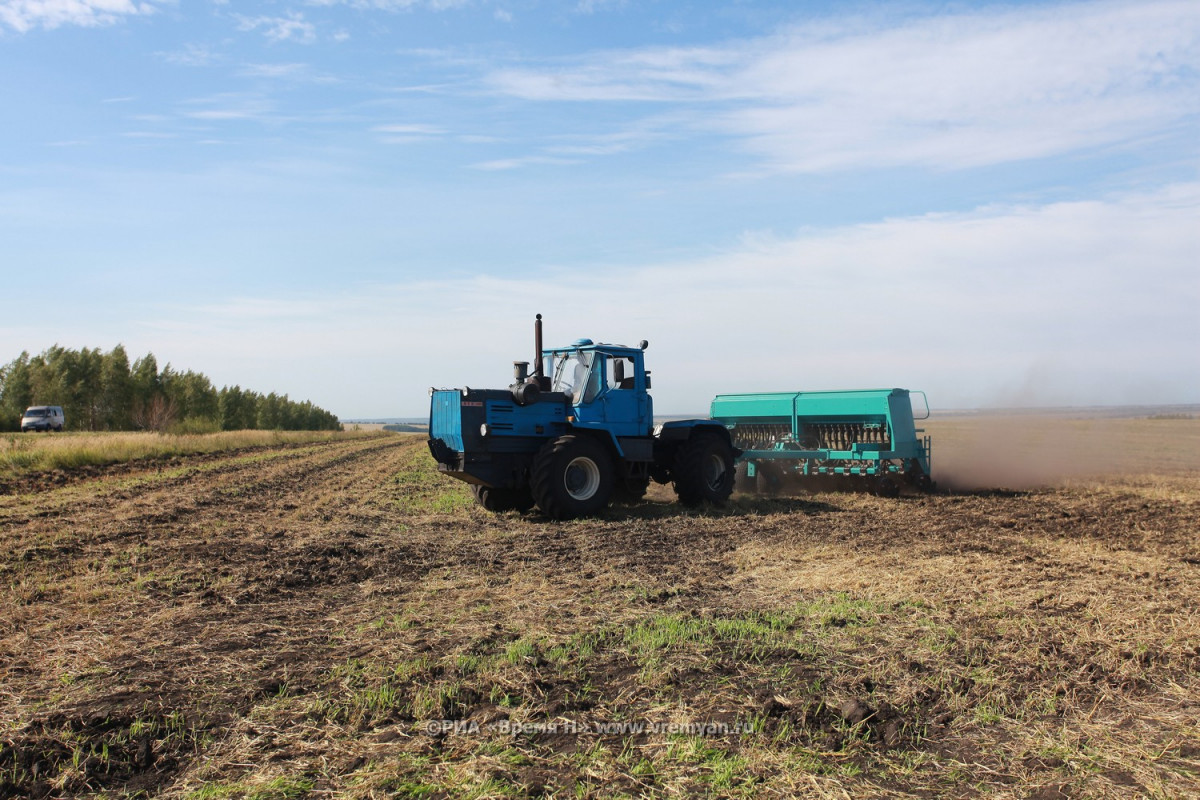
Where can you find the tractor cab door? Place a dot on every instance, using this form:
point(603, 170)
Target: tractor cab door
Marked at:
point(626, 404)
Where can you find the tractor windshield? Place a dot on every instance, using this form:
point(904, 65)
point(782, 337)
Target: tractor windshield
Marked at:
point(574, 376)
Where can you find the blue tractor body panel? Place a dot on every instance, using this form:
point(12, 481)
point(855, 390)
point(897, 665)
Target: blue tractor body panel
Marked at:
point(483, 436)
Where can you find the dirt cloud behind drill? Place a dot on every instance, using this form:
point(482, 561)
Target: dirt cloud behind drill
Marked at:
point(1030, 451)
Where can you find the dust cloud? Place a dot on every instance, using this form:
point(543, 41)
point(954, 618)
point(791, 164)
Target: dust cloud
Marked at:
point(1034, 451)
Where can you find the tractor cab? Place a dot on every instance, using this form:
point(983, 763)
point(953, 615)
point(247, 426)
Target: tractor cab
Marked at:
point(605, 384)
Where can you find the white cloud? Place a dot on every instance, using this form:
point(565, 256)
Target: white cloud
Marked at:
point(407, 133)
point(222, 114)
point(609, 143)
point(409, 129)
point(227, 106)
point(1095, 299)
point(290, 28)
point(25, 15)
point(273, 70)
point(192, 55)
point(394, 5)
point(502, 164)
point(945, 91)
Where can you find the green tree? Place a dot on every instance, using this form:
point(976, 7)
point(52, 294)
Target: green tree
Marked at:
point(192, 395)
point(16, 392)
point(101, 391)
point(239, 409)
point(116, 391)
point(269, 418)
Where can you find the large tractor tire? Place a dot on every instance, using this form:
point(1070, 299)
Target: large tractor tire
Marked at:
point(572, 477)
point(499, 500)
point(704, 471)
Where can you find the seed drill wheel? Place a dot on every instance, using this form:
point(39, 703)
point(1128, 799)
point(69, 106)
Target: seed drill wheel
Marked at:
point(572, 477)
point(704, 471)
point(742, 480)
point(498, 500)
point(919, 479)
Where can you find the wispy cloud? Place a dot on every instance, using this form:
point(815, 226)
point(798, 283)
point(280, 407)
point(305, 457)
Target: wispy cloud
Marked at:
point(228, 106)
point(190, 55)
point(501, 164)
point(409, 129)
point(292, 27)
point(954, 91)
point(407, 133)
point(607, 144)
point(273, 70)
point(25, 15)
point(394, 5)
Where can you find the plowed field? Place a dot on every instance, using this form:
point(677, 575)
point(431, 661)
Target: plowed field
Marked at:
point(336, 619)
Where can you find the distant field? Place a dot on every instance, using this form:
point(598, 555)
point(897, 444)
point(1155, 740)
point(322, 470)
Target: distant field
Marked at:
point(32, 452)
point(335, 619)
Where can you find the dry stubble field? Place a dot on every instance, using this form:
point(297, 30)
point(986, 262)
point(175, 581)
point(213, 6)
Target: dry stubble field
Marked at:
point(287, 621)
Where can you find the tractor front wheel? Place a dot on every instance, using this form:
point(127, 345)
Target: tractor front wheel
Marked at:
point(572, 477)
point(704, 471)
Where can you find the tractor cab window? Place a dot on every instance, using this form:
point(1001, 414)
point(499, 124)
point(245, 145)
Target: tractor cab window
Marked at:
point(620, 373)
point(574, 375)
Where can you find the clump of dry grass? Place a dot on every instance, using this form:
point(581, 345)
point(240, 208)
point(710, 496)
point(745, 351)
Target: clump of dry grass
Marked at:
point(20, 453)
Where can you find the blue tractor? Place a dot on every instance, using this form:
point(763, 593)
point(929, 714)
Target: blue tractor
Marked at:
point(575, 435)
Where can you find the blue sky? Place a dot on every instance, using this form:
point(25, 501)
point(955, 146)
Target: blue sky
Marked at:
point(352, 201)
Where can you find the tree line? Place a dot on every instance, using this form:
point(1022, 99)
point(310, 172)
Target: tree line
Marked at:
point(104, 392)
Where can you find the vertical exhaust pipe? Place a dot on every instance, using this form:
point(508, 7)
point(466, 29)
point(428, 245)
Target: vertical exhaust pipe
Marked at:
point(543, 380)
point(527, 387)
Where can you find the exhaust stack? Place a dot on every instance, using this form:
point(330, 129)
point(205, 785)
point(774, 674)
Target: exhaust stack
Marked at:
point(543, 381)
point(526, 387)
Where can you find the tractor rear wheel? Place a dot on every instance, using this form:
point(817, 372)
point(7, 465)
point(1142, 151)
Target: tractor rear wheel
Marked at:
point(572, 477)
point(704, 471)
point(499, 500)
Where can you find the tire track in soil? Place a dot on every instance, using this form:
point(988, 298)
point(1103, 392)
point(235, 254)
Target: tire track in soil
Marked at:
point(234, 585)
point(208, 591)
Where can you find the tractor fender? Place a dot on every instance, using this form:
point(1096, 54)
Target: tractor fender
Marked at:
point(670, 435)
point(602, 435)
point(680, 430)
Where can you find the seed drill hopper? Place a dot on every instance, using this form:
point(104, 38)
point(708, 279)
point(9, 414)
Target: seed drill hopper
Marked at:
point(865, 440)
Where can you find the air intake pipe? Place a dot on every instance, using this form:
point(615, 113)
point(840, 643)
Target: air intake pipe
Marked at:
point(526, 387)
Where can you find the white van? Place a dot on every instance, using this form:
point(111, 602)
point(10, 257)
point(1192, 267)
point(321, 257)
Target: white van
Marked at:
point(42, 418)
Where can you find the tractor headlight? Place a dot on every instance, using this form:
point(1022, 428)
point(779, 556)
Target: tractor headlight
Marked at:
point(484, 430)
